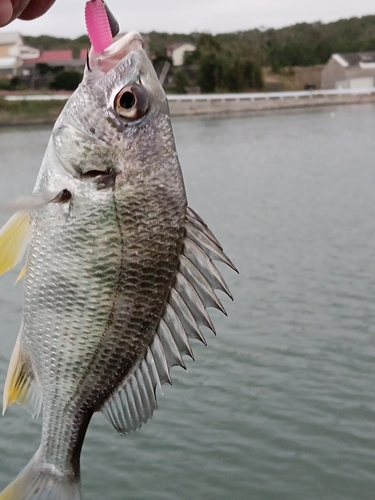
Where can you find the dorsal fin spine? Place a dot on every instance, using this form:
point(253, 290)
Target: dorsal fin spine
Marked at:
point(178, 333)
point(170, 347)
point(193, 301)
point(206, 266)
point(200, 284)
point(189, 324)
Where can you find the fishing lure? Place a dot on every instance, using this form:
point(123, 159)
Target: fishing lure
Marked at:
point(98, 25)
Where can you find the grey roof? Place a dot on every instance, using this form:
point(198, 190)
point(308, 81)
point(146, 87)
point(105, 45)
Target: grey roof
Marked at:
point(354, 59)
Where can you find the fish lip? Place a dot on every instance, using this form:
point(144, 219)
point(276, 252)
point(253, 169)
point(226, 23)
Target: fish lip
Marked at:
point(116, 52)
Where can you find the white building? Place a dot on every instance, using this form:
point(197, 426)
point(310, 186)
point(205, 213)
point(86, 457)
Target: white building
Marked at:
point(12, 54)
point(349, 71)
point(27, 53)
point(177, 52)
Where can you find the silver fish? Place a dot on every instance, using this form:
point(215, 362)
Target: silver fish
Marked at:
point(119, 269)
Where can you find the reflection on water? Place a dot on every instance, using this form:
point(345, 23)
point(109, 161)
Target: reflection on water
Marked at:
point(281, 403)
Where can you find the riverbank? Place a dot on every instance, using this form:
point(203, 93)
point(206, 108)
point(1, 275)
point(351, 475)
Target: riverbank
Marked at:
point(14, 113)
point(215, 107)
point(37, 112)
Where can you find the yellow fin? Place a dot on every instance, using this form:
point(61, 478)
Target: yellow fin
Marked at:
point(13, 375)
point(21, 275)
point(20, 385)
point(14, 238)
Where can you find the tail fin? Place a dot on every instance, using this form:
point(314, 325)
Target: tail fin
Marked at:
point(36, 482)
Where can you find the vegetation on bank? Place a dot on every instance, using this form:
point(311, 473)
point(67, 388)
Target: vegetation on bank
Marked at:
point(235, 61)
point(18, 112)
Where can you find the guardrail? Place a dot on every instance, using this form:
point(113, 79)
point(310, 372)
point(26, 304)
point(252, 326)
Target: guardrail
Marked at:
point(270, 95)
point(218, 97)
point(37, 97)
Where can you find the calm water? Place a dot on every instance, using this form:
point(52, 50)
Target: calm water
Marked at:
point(281, 405)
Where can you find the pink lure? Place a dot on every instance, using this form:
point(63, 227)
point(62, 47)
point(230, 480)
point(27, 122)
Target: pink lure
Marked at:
point(97, 24)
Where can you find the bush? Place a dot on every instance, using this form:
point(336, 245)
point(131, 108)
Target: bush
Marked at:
point(66, 80)
point(181, 81)
point(4, 84)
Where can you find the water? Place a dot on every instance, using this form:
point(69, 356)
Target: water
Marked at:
point(281, 405)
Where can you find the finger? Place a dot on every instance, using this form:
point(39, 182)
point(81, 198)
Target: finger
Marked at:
point(6, 12)
point(18, 7)
point(36, 8)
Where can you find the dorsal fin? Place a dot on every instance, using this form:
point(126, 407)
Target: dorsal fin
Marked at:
point(134, 401)
point(20, 384)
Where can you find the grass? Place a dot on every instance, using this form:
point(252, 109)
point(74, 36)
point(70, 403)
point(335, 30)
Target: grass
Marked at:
point(29, 112)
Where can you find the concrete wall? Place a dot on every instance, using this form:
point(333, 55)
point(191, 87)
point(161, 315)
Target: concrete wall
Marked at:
point(332, 73)
point(214, 107)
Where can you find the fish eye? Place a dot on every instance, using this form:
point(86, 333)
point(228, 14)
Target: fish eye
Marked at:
point(132, 102)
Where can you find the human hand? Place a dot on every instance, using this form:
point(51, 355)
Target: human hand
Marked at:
point(23, 9)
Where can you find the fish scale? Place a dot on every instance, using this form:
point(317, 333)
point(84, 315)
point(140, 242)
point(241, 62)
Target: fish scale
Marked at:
point(159, 258)
point(119, 271)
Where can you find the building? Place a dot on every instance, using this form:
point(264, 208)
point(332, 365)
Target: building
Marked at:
point(41, 71)
point(11, 45)
point(60, 60)
point(177, 52)
point(51, 56)
point(12, 54)
point(349, 71)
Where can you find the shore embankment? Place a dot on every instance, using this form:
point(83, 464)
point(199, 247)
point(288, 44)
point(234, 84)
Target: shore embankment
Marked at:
point(233, 105)
point(35, 109)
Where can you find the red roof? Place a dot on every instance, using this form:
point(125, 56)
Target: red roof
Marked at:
point(53, 55)
point(83, 54)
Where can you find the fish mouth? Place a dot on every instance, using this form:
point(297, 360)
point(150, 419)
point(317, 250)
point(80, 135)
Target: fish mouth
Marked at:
point(116, 52)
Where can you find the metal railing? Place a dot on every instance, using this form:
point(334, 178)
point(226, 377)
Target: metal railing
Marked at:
point(219, 97)
point(37, 97)
point(270, 95)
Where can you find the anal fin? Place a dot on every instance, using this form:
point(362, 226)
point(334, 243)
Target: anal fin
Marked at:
point(20, 384)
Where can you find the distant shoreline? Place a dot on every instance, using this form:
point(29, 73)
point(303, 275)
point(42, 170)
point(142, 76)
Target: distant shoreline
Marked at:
point(23, 113)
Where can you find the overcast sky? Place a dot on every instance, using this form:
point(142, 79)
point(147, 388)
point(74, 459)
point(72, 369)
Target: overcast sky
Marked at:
point(65, 18)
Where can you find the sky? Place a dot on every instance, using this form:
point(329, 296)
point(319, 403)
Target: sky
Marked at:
point(65, 18)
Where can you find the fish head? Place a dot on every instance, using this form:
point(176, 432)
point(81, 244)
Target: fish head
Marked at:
point(125, 83)
point(118, 120)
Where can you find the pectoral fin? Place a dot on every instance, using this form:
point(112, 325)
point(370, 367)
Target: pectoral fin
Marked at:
point(14, 238)
point(20, 384)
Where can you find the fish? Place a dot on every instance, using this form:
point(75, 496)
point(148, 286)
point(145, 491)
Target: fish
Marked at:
point(119, 269)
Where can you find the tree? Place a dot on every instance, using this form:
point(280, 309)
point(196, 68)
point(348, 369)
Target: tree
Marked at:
point(181, 81)
point(66, 80)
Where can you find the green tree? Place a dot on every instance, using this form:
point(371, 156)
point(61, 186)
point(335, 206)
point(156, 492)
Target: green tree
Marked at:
point(181, 81)
point(66, 80)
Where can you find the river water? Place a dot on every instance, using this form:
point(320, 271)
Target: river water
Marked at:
point(281, 404)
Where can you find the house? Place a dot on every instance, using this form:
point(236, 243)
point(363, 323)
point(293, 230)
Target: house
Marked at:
point(83, 54)
point(349, 71)
point(58, 59)
point(27, 53)
point(10, 54)
point(41, 71)
point(177, 52)
point(52, 56)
